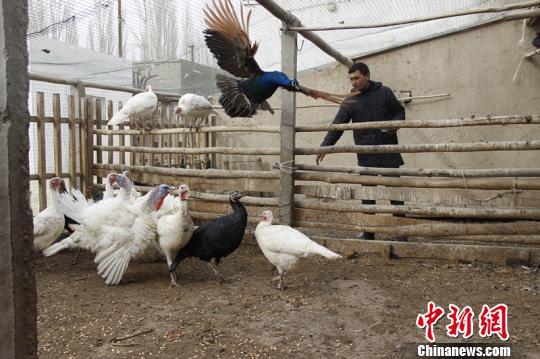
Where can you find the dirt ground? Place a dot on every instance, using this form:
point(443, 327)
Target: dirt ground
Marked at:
point(363, 307)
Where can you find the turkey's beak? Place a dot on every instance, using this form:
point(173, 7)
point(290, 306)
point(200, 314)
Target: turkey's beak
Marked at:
point(62, 187)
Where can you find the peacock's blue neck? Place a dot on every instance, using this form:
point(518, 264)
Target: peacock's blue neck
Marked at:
point(263, 86)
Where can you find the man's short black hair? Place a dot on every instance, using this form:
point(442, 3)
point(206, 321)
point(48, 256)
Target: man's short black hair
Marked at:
point(359, 66)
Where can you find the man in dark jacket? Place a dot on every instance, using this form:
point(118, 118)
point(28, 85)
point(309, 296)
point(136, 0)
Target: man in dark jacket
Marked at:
point(375, 103)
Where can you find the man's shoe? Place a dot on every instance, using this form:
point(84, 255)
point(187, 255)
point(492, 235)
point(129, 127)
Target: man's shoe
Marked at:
point(367, 236)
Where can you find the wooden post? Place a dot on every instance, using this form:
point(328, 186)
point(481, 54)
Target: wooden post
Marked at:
point(72, 143)
point(57, 135)
point(42, 159)
point(213, 142)
point(171, 137)
point(132, 143)
point(99, 123)
point(110, 138)
point(122, 139)
point(152, 138)
point(18, 336)
point(162, 120)
point(89, 148)
point(288, 123)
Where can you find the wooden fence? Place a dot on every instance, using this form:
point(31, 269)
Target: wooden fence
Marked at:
point(480, 205)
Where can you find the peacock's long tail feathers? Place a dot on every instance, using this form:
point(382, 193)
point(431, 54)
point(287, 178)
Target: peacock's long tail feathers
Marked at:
point(339, 99)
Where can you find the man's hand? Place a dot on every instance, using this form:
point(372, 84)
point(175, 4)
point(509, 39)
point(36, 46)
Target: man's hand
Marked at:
point(319, 158)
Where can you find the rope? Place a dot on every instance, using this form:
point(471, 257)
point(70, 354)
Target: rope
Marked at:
point(285, 168)
point(288, 168)
point(514, 190)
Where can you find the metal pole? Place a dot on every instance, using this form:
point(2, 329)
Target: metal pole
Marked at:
point(291, 20)
point(120, 54)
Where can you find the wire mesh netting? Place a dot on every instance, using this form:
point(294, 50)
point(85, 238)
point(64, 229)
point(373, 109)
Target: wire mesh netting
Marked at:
point(161, 42)
point(172, 30)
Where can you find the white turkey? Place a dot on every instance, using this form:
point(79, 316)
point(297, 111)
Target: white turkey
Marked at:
point(49, 223)
point(109, 189)
point(138, 108)
point(118, 245)
point(193, 107)
point(90, 216)
point(283, 246)
point(175, 230)
point(117, 231)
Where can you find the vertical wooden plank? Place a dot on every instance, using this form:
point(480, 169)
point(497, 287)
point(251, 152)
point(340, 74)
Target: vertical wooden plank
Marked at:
point(57, 136)
point(72, 143)
point(213, 156)
point(288, 122)
point(204, 143)
point(162, 121)
point(110, 138)
point(133, 143)
point(171, 137)
point(152, 138)
point(89, 161)
point(99, 139)
point(42, 159)
point(198, 144)
point(82, 142)
point(122, 140)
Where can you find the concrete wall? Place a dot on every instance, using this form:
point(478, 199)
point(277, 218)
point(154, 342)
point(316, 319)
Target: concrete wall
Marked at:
point(476, 67)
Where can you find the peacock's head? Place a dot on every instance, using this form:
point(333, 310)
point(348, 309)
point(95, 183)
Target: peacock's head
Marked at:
point(235, 196)
point(294, 85)
point(267, 216)
point(183, 192)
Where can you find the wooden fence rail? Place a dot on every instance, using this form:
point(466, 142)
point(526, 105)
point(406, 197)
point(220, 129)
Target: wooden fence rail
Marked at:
point(186, 130)
point(430, 147)
point(196, 150)
point(445, 123)
point(171, 143)
point(422, 172)
point(514, 184)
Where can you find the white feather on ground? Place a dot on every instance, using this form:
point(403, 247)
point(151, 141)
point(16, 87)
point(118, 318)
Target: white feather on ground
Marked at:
point(283, 245)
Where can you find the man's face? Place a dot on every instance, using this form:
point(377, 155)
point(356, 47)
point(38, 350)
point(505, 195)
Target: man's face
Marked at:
point(359, 82)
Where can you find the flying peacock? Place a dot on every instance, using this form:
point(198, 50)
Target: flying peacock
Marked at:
point(227, 37)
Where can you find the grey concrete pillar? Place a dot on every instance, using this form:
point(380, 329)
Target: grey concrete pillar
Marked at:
point(17, 282)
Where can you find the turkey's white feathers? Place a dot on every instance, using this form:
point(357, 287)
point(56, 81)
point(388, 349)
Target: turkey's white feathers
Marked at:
point(48, 226)
point(195, 106)
point(283, 245)
point(140, 105)
point(49, 223)
point(287, 240)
